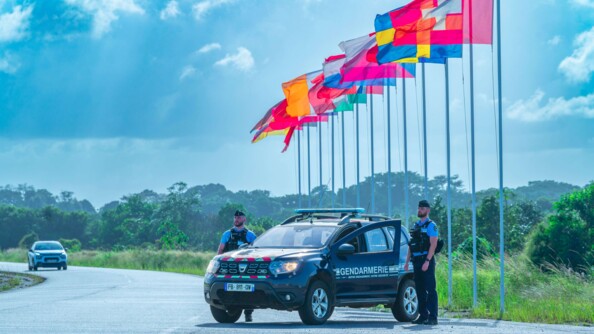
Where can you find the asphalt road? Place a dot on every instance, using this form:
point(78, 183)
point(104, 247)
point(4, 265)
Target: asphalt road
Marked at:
point(93, 300)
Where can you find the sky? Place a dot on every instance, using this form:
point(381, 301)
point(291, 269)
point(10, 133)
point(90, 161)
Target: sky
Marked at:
point(107, 98)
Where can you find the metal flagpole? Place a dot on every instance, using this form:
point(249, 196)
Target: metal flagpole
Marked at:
point(405, 149)
point(343, 165)
point(308, 169)
point(389, 155)
point(320, 150)
point(299, 166)
point(473, 162)
point(357, 134)
point(333, 183)
point(449, 189)
point(426, 191)
point(372, 159)
point(501, 230)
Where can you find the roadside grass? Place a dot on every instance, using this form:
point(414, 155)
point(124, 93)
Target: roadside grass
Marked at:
point(10, 280)
point(185, 262)
point(559, 296)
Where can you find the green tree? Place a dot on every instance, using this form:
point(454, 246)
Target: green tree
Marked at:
point(567, 236)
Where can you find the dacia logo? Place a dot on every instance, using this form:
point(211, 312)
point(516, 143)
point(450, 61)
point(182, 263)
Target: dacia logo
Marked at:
point(242, 267)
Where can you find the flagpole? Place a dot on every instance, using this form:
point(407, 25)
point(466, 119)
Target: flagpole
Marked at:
point(449, 189)
point(299, 165)
point(372, 158)
point(405, 149)
point(308, 168)
point(473, 177)
point(320, 160)
point(333, 183)
point(501, 208)
point(389, 155)
point(343, 164)
point(357, 135)
point(426, 191)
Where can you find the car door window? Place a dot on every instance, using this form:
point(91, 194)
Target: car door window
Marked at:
point(376, 241)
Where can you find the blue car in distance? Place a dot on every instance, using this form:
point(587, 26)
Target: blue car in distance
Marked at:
point(47, 254)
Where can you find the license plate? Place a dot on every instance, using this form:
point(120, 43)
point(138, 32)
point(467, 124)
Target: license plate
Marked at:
point(51, 260)
point(241, 287)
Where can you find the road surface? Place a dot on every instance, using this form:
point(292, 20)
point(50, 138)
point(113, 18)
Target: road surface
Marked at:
point(93, 300)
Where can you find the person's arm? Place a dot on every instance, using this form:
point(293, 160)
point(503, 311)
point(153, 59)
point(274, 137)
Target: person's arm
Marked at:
point(407, 259)
point(224, 240)
point(432, 246)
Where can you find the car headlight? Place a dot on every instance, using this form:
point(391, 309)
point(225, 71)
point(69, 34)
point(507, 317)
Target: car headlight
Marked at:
point(283, 267)
point(213, 266)
point(63, 255)
point(37, 255)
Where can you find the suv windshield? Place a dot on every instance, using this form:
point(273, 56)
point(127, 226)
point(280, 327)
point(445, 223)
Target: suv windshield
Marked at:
point(295, 236)
point(48, 246)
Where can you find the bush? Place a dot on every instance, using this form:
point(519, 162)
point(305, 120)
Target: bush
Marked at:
point(73, 245)
point(567, 236)
point(27, 240)
point(483, 248)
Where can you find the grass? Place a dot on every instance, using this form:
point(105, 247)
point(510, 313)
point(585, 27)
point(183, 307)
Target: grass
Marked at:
point(9, 280)
point(170, 261)
point(560, 296)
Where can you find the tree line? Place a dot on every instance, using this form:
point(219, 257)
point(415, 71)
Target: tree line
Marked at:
point(538, 216)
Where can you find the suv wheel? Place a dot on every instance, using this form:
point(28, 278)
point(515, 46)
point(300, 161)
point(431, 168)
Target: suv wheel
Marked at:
point(317, 307)
point(65, 267)
point(225, 316)
point(406, 307)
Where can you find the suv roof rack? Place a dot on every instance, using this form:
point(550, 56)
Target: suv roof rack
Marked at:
point(345, 214)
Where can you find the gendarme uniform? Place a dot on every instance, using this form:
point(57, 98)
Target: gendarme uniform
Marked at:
point(424, 280)
point(235, 237)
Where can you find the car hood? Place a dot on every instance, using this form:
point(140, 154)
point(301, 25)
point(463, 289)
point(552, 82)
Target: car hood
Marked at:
point(56, 252)
point(265, 254)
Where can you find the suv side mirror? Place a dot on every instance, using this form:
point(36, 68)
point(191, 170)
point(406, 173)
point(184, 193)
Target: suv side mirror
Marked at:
point(346, 249)
point(65, 249)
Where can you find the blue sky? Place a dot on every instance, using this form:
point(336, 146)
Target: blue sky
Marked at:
point(108, 98)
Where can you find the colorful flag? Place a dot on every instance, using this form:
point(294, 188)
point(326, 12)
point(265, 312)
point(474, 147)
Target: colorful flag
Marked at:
point(421, 29)
point(361, 67)
point(296, 92)
point(478, 21)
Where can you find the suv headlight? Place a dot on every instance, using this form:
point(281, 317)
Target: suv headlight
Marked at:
point(213, 266)
point(38, 255)
point(63, 255)
point(283, 267)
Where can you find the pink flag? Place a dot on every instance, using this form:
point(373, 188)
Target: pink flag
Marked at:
point(478, 21)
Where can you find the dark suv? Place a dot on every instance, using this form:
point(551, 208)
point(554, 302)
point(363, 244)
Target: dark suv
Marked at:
point(313, 262)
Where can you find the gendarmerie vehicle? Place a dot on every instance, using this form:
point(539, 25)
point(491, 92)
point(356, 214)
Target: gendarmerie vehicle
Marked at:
point(312, 262)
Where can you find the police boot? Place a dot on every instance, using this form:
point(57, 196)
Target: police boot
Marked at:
point(420, 321)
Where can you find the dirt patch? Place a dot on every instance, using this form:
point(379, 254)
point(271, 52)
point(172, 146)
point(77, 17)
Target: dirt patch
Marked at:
point(9, 280)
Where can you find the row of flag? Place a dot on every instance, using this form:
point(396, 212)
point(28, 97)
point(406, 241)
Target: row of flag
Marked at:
point(422, 31)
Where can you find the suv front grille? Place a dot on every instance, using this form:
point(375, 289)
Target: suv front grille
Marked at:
point(252, 269)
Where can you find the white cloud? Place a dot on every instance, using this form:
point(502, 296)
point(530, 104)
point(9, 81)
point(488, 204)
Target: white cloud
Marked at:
point(170, 11)
point(579, 66)
point(209, 47)
point(200, 9)
point(8, 64)
point(187, 71)
point(584, 3)
point(533, 110)
point(242, 60)
point(554, 41)
point(13, 25)
point(104, 12)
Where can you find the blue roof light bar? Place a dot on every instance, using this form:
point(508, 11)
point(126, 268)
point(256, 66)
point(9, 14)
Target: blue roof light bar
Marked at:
point(329, 210)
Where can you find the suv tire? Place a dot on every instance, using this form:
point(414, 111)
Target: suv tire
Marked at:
point(406, 308)
point(318, 305)
point(225, 316)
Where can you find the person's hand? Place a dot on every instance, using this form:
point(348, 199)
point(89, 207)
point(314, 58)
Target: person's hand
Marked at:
point(406, 266)
point(425, 266)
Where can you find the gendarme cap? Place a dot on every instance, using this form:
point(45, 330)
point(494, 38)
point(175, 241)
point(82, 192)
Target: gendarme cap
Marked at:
point(424, 204)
